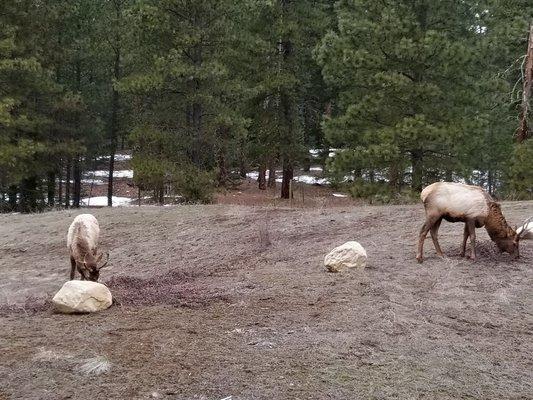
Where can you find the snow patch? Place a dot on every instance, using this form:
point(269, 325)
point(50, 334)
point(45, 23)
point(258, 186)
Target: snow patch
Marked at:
point(333, 152)
point(93, 181)
point(340, 195)
point(311, 180)
point(118, 157)
point(126, 173)
point(253, 175)
point(308, 179)
point(99, 201)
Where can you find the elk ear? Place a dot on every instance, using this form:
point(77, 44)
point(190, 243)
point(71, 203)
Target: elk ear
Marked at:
point(99, 257)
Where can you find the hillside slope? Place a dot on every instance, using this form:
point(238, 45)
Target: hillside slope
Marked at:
point(207, 309)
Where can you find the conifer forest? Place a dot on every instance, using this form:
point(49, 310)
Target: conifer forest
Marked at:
point(388, 95)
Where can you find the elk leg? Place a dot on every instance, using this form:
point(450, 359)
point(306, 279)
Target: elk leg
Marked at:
point(465, 238)
point(472, 229)
point(434, 236)
point(72, 268)
point(423, 233)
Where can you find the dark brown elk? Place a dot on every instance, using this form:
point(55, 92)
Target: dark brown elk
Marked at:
point(456, 202)
point(82, 242)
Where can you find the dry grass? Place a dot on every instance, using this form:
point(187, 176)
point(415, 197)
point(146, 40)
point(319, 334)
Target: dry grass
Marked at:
point(205, 310)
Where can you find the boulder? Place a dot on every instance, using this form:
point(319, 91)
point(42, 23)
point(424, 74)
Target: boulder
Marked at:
point(349, 255)
point(82, 297)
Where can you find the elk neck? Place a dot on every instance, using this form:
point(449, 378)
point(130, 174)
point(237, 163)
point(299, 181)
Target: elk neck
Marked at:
point(496, 225)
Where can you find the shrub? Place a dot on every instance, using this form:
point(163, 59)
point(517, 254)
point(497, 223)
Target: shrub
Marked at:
point(195, 185)
point(381, 193)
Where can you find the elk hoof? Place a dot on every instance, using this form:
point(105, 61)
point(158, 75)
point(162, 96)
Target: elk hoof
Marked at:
point(461, 254)
point(420, 259)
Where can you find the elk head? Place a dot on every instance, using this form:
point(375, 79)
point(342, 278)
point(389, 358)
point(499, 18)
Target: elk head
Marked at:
point(511, 244)
point(91, 270)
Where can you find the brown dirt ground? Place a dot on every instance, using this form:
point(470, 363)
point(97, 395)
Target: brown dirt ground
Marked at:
point(207, 309)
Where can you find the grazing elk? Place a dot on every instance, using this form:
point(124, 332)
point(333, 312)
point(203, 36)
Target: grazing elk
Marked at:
point(82, 242)
point(456, 202)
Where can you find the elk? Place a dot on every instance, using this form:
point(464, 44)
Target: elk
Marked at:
point(82, 242)
point(456, 202)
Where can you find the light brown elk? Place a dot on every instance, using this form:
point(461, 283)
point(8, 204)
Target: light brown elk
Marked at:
point(456, 202)
point(82, 242)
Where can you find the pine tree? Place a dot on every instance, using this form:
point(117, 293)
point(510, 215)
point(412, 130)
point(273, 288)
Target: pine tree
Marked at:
point(290, 93)
point(504, 48)
point(185, 89)
point(28, 101)
point(405, 76)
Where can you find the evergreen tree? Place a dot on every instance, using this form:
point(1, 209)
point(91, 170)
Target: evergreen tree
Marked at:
point(507, 26)
point(29, 100)
point(183, 85)
point(290, 93)
point(405, 73)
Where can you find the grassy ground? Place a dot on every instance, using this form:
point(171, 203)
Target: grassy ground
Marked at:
point(225, 300)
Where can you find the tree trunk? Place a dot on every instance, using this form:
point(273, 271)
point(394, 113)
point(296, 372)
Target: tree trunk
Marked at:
point(287, 106)
point(110, 182)
point(28, 195)
point(51, 189)
point(523, 130)
point(76, 166)
point(288, 163)
point(77, 182)
point(60, 184)
point(394, 177)
point(67, 184)
point(288, 175)
point(271, 174)
point(12, 192)
point(222, 149)
point(307, 164)
point(416, 163)
point(242, 159)
point(262, 177)
point(113, 132)
point(222, 174)
point(198, 138)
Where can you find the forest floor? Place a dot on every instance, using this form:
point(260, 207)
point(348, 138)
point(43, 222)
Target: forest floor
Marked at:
point(233, 302)
point(314, 193)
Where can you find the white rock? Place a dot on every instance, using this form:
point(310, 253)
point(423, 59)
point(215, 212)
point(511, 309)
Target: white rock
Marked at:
point(82, 297)
point(349, 255)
